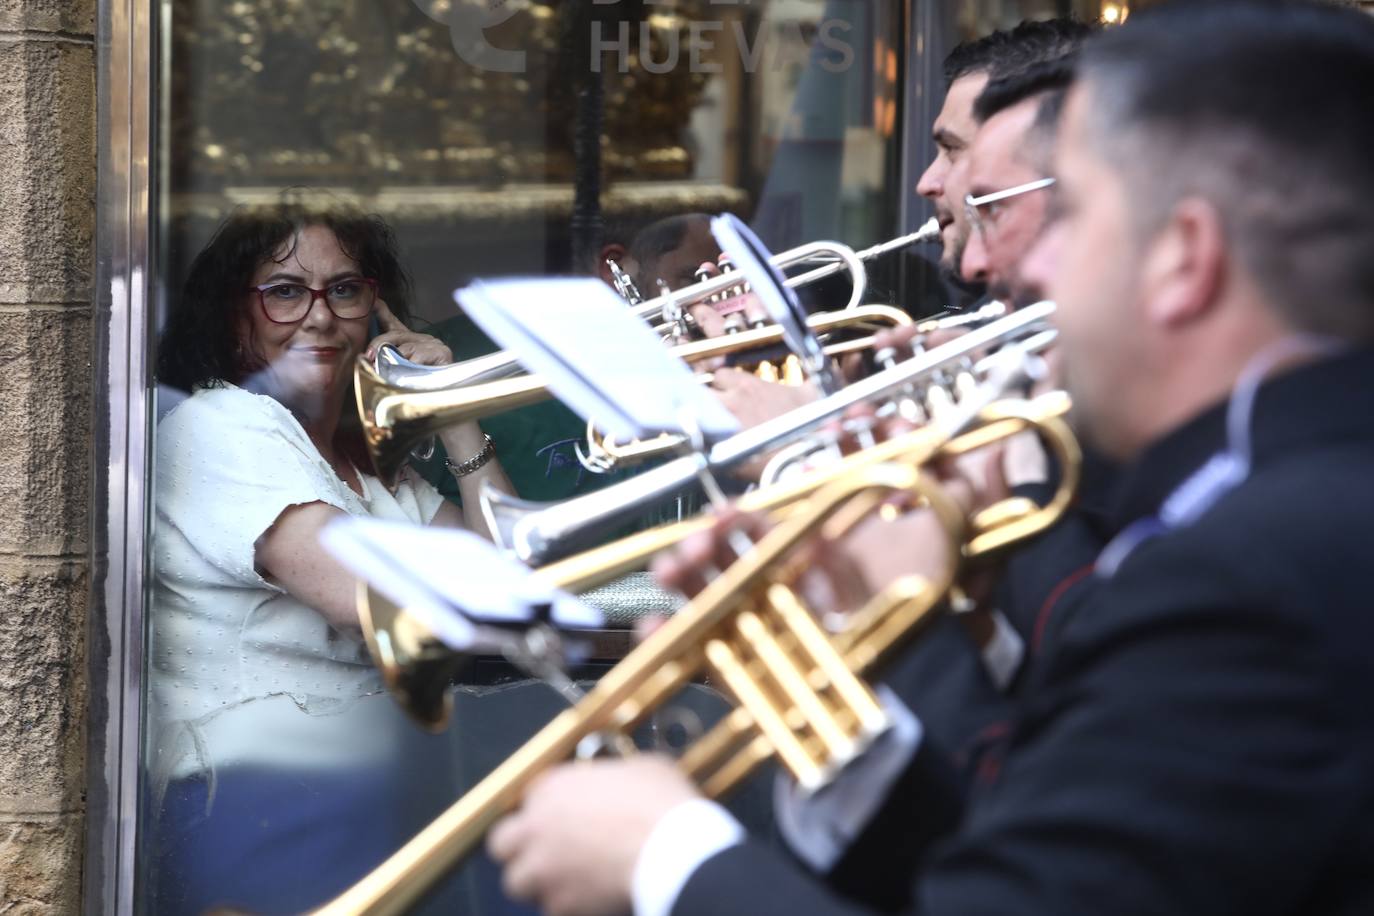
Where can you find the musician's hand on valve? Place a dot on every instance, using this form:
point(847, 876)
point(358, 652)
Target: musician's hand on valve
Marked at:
point(710, 323)
point(886, 547)
point(754, 401)
point(571, 848)
point(836, 579)
point(1024, 461)
point(861, 427)
point(900, 343)
point(689, 566)
point(896, 339)
point(424, 349)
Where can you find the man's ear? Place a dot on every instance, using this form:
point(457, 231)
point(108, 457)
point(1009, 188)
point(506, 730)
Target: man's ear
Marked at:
point(612, 251)
point(1185, 265)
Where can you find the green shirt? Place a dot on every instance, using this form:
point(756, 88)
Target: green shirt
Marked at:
point(535, 444)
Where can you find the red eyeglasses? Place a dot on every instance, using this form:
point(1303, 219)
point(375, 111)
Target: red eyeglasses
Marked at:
point(287, 303)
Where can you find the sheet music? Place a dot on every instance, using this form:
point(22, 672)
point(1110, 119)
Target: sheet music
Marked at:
point(596, 356)
point(452, 579)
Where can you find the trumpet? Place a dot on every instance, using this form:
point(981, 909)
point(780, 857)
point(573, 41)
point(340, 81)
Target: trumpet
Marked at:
point(836, 258)
point(604, 455)
point(537, 533)
point(399, 372)
point(799, 691)
point(397, 417)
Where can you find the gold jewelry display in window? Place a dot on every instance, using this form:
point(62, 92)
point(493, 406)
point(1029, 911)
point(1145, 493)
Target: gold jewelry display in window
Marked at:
point(323, 91)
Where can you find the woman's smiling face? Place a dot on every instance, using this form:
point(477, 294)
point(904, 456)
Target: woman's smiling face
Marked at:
point(307, 361)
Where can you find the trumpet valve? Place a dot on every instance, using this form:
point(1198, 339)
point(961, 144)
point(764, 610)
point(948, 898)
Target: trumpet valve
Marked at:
point(939, 402)
point(965, 384)
point(910, 410)
point(690, 328)
point(886, 357)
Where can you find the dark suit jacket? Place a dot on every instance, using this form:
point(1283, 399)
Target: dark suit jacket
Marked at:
point(942, 678)
point(1046, 578)
point(1198, 738)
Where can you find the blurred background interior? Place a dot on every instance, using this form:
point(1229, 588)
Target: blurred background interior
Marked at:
point(466, 123)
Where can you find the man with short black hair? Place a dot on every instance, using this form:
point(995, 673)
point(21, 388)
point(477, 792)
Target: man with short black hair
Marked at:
point(670, 251)
point(1006, 174)
point(967, 71)
point(1198, 741)
point(1006, 171)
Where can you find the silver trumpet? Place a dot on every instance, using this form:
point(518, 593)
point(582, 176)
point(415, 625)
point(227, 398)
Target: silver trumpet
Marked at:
point(538, 533)
point(400, 372)
point(833, 257)
point(929, 232)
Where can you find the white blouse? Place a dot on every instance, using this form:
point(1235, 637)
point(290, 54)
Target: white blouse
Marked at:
point(242, 673)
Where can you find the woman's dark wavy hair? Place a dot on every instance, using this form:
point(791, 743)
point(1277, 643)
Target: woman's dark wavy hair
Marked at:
point(199, 348)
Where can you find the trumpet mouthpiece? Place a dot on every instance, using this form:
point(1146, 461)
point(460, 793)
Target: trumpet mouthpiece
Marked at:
point(929, 232)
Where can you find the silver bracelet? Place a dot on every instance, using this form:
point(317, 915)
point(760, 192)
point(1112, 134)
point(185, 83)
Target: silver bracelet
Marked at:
point(476, 462)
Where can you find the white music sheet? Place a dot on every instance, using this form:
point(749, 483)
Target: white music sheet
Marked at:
point(450, 578)
point(596, 356)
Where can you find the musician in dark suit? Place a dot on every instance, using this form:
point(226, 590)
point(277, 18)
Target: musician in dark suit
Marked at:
point(1198, 741)
point(958, 678)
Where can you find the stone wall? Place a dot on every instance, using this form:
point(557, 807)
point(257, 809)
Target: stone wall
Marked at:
point(47, 219)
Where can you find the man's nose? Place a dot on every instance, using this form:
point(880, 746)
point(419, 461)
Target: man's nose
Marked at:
point(973, 266)
point(932, 183)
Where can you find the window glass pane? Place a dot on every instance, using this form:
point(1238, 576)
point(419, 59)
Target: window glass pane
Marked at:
point(333, 170)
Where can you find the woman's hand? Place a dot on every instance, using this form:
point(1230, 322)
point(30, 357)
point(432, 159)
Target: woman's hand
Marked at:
point(424, 349)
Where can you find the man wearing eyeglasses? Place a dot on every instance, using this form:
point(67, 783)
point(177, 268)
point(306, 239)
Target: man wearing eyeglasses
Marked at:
point(1005, 171)
point(1009, 190)
point(961, 694)
point(1008, 207)
point(967, 71)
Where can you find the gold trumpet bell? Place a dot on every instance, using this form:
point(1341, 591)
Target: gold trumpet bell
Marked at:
point(395, 419)
point(388, 453)
point(416, 667)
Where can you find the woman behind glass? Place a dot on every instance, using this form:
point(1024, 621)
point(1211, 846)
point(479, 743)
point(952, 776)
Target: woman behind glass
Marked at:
point(278, 764)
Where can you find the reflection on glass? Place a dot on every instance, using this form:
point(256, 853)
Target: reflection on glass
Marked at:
point(277, 770)
point(267, 721)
